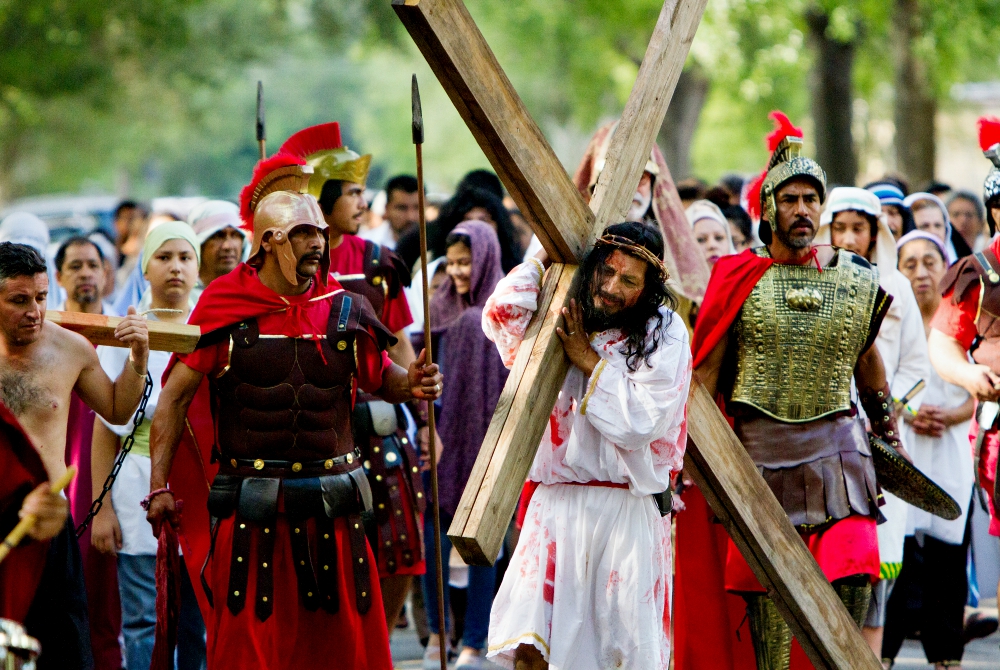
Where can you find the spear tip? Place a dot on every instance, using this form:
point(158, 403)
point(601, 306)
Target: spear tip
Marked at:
point(418, 117)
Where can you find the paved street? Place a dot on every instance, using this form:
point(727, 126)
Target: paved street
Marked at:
point(979, 655)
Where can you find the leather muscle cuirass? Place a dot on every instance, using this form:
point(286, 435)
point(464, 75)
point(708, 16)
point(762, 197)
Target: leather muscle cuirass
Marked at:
point(799, 335)
point(287, 398)
point(384, 275)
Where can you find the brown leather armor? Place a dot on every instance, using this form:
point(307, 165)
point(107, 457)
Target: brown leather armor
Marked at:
point(285, 441)
point(962, 276)
point(279, 400)
point(385, 274)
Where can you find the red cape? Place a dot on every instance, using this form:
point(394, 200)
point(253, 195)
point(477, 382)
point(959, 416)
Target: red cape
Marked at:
point(23, 471)
point(240, 295)
point(733, 277)
point(710, 631)
point(229, 299)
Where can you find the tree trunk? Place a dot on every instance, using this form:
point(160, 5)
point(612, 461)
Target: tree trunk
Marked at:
point(681, 121)
point(916, 104)
point(833, 101)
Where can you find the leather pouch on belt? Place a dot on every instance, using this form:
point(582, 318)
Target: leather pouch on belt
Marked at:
point(303, 498)
point(223, 495)
point(340, 497)
point(259, 499)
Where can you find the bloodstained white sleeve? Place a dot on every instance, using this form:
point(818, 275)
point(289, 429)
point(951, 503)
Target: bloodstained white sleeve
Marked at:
point(508, 311)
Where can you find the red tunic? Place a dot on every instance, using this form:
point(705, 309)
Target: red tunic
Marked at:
point(23, 471)
point(348, 258)
point(959, 321)
point(291, 637)
point(100, 571)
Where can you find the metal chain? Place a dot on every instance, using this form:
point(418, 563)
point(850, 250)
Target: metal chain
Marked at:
point(140, 416)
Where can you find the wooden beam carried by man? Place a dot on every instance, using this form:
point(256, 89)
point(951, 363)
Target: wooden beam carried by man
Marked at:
point(469, 72)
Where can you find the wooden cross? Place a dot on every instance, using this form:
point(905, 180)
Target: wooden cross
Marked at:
point(446, 34)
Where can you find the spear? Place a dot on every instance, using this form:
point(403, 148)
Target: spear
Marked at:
point(418, 142)
point(261, 134)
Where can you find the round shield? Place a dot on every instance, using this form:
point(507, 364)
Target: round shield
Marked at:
point(898, 476)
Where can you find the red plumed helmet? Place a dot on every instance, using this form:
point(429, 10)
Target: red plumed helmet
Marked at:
point(781, 131)
point(783, 128)
point(989, 132)
point(753, 196)
point(308, 141)
point(263, 168)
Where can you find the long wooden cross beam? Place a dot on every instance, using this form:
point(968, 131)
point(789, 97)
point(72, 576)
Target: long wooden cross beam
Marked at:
point(446, 34)
point(100, 329)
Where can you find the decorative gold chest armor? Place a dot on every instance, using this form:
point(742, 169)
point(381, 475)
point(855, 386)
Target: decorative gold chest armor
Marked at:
point(799, 335)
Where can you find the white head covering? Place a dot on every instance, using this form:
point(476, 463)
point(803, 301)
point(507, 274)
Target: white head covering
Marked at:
point(923, 235)
point(847, 198)
point(706, 209)
point(951, 255)
point(211, 216)
point(25, 228)
point(844, 198)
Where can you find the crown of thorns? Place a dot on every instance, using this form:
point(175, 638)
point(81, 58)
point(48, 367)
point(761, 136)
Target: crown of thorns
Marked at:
point(636, 250)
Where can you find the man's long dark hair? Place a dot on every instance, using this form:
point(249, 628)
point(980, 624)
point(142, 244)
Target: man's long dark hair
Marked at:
point(640, 342)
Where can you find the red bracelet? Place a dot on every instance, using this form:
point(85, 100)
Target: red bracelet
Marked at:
point(152, 494)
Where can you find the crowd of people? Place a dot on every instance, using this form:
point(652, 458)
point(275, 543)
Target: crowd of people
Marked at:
point(246, 273)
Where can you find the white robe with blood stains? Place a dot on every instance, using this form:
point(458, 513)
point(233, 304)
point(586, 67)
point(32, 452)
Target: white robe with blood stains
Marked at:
point(589, 582)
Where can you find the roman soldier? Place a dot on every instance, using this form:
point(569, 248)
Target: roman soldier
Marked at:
point(781, 332)
point(381, 430)
point(290, 576)
point(966, 323)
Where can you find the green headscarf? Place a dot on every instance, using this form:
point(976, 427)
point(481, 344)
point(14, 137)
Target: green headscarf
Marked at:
point(171, 230)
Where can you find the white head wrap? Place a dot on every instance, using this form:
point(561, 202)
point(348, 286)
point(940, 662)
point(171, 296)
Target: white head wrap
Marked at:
point(706, 209)
point(949, 246)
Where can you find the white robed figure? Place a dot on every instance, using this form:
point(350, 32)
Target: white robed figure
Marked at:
point(588, 586)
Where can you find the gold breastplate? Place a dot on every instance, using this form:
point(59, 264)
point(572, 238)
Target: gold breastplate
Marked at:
point(799, 335)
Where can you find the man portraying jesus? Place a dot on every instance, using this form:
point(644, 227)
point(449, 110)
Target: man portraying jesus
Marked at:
point(588, 585)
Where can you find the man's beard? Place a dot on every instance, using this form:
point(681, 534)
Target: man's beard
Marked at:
point(640, 205)
point(795, 242)
point(86, 298)
point(597, 319)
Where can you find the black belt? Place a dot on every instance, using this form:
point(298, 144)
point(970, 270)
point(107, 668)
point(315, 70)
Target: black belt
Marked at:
point(261, 467)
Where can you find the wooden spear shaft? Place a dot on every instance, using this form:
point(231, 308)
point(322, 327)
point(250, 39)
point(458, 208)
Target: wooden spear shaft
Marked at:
point(261, 128)
point(418, 141)
point(25, 525)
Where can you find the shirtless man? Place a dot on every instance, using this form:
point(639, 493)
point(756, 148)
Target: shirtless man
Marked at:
point(40, 365)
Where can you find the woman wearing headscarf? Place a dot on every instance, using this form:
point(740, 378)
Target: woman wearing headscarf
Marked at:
point(931, 215)
point(897, 215)
point(170, 259)
point(468, 204)
point(853, 220)
point(711, 230)
point(931, 590)
point(474, 377)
